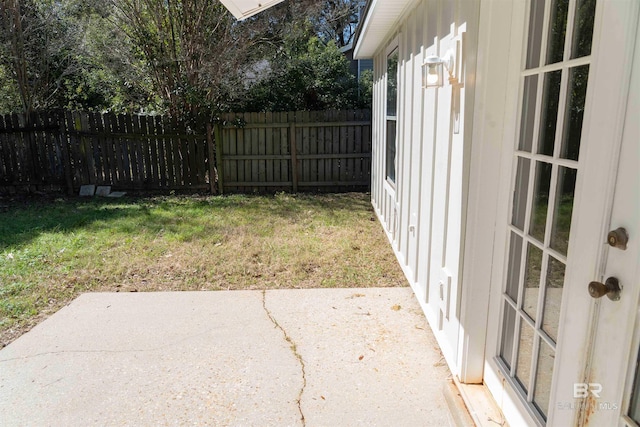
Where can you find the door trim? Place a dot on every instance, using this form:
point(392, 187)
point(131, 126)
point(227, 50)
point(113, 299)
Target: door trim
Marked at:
point(492, 106)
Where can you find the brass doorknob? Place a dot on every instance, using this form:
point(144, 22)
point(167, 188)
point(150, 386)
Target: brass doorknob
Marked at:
point(618, 238)
point(610, 288)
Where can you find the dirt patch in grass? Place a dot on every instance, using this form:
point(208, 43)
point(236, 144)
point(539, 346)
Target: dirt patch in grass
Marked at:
point(51, 251)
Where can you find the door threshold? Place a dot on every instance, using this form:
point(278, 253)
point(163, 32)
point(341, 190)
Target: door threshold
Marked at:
point(480, 405)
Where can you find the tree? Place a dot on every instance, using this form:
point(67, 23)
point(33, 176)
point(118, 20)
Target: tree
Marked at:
point(114, 76)
point(185, 57)
point(337, 20)
point(37, 49)
point(305, 75)
point(196, 53)
point(365, 88)
point(9, 96)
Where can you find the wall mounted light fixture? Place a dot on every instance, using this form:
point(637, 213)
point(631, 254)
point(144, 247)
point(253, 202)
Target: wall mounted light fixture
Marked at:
point(433, 69)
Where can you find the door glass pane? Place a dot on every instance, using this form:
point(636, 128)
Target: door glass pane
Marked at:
point(508, 328)
point(520, 193)
point(528, 113)
point(532, 280)
point(544, 374)
point(578, 78)
point(525, 351)
point(554, 284)
point(549, 116)
point(515, 257)
point(536, 18)
point(563, 209)
point(583, 28)
point(557, 30)
point(540, 201)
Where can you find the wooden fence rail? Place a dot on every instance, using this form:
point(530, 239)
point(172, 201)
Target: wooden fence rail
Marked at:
point(243, 152)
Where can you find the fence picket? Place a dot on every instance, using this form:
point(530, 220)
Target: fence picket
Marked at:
point(63, 139)
point(167, 152)
point(248, 149)
point(268, 143)
point(320, 132)
point(293, 146)
point(202, 157)
point(305, 147)
point(178, 158)
point(5, 155)
point(335, 147)
point(285, 174)
point(96, 149)
point(214, 158)
point(135, 144)
point(74, 149)
point(193, 161)
point(157, 151)
point(259, 141)
point(38, 142)
point(109, 126)
point(101, 147)
point(146, 128)
point(152, 153)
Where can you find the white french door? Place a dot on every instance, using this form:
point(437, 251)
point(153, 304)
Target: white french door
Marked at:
point(616, 342)
point(546, 334)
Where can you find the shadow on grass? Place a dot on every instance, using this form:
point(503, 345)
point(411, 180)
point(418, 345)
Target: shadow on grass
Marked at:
point(22, 223)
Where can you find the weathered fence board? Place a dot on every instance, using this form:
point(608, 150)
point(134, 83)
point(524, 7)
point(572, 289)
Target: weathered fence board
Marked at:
point(243, 152)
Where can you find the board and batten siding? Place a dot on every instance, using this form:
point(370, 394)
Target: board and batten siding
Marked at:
point(424, 213)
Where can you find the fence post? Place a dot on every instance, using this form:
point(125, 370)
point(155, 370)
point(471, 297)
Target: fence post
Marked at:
point(66, 159)
point(294, 156)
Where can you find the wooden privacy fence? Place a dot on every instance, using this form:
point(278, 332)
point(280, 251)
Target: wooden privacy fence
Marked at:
point(136, 152)
point(32, 152)
point(251, 152)
point(308, 150)
point(52, 150)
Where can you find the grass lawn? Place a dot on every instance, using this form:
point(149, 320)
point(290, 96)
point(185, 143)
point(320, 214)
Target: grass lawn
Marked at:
point(53, 250)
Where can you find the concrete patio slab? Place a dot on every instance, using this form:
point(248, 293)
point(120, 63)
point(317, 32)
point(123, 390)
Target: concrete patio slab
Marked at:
point(320, 357)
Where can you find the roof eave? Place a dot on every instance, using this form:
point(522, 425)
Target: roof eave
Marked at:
point(380, 18)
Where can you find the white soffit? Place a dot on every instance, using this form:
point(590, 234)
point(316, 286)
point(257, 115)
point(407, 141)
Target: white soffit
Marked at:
point(382, 16)
point(242, 9)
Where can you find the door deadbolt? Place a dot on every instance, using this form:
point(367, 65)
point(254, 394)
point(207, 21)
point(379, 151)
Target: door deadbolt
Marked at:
point(610, 288)
point(618, 238)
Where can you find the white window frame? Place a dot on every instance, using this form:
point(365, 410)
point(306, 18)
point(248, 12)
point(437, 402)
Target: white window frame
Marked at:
point(391, 47)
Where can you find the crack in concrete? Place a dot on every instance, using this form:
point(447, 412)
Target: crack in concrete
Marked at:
point(294, 350)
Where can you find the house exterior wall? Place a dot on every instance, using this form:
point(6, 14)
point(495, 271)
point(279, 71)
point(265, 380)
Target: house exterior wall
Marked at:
point(449, 214)
point(424, 212)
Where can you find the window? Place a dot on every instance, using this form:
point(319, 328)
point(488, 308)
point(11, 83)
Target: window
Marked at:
point(392, 106)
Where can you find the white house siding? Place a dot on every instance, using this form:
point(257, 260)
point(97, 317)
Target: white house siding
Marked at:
point(424, 214)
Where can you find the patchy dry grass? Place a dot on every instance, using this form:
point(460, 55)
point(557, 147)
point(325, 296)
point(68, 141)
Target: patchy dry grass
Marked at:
point(50, 252)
